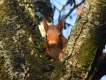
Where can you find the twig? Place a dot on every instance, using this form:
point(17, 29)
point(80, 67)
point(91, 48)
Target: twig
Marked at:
point(64, 7)
point(74, 2)
point(75, 6)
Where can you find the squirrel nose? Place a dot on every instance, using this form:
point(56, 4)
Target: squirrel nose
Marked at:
point(52, 43)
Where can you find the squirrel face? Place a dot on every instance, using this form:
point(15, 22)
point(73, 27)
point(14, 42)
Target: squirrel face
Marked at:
point(53, 36)
point(55, 43)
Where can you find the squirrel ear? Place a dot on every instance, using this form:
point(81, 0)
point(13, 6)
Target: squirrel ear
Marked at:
point(46, 26)
point(60, 25)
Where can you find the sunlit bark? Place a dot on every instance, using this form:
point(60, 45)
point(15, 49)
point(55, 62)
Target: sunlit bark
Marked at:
point(86, 42)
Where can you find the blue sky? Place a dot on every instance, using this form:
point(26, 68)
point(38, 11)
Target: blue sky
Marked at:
point(59, 4)
point(103, 78)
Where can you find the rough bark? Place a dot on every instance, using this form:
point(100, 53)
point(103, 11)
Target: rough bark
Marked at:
point(20, 41)
point(86, 42)
point(21, 45)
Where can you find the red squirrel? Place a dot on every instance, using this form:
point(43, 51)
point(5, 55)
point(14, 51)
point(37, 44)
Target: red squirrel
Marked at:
point(55, 42)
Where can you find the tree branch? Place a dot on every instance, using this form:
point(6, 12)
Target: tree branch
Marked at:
point(75, 6)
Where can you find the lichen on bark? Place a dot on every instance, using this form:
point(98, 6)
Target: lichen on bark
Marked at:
point(21, 44)
point(19, 40)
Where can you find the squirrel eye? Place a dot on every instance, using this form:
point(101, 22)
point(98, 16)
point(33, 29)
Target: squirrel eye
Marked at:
point(46, 36)
point(59, 35)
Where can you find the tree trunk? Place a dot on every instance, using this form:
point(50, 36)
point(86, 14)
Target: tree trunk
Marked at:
point(86, 42)
point(21, 43)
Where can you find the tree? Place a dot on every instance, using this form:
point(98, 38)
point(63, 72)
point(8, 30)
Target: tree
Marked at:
point(21, 44)
point(86, 42)
point(22, 47)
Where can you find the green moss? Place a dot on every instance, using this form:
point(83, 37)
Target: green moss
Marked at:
point(57, 71)
point(87, 54)
point(46, 77)
point(89, 49)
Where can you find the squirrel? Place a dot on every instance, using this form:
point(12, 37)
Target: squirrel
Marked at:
point(55, 42)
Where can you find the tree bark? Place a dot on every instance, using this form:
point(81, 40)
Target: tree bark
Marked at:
point(21, 43)
point(85, 43)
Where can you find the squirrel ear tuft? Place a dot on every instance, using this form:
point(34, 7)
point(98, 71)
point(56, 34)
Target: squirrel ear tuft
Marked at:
point(60, 25)
point(46, 26)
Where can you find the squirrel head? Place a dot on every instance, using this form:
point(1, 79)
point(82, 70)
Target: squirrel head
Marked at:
point(53, 33)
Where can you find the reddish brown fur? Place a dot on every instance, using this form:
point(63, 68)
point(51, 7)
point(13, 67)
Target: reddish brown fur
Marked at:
point(55, 43)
